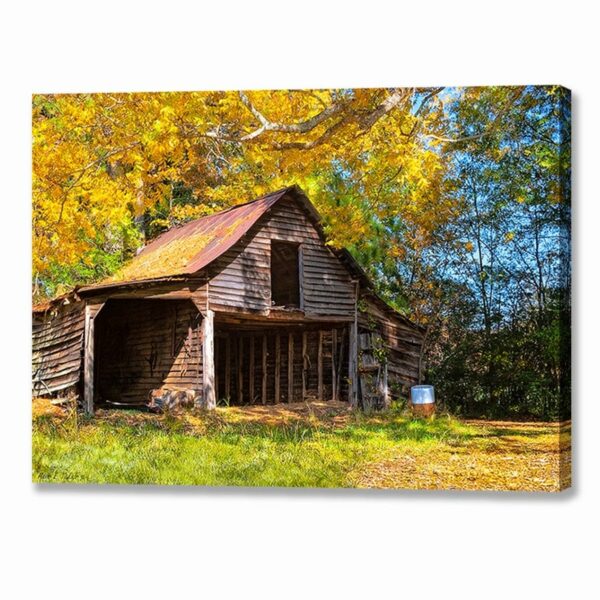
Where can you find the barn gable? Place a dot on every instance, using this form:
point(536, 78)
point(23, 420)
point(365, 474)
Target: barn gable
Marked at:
point(241, 277)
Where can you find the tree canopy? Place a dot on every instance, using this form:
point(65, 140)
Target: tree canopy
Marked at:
point(455, 200)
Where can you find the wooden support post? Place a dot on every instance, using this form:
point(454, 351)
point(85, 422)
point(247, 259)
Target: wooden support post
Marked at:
point(251, 372)
point(208, 361)
point(320, 366)
point(228, 368)
point(333, 357)
point(88, 362)
point(291, 367)
point(304, 363)
point(241, 371)
point(277, 367)
point(264, 370)
point(353, 365)
point(340, 363)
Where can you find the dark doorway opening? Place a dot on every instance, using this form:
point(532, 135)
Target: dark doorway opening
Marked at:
point(143, 345)
point(285, 274)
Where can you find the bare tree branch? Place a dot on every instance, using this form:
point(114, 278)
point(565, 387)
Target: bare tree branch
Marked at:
point(346, 113)
point(302, 127)
point(311, 144)
point(366, 121)
point(392, 101)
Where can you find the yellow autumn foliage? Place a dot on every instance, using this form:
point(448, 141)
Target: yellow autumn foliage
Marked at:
point(101, 160)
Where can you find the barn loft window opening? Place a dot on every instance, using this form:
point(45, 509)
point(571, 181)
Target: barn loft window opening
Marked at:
point(285, 275)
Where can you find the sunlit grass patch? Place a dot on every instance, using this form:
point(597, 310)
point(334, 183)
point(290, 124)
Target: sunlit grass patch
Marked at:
point(302, 448)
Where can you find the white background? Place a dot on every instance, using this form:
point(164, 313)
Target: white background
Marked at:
point(171, 543)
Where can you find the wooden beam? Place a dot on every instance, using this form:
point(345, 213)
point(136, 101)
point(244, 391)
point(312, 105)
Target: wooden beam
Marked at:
point(240, 372)
point(333, 370)
point(208, 361)
point(228, 368)
point(304, 363)
point(198, 331)
point(340, 363)
point(91, 312)
point(264, 370)
point(251, 371)
point(353, 391)
point(353, 366)
point(320, 366)
point(88, 363)
point(277, 367)
point(290, 367)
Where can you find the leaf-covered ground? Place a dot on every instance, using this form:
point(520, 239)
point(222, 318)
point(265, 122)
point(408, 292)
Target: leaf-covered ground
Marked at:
point(301, 445)
point(500, 456)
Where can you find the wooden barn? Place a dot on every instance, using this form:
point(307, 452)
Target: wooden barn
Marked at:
point(241, 307)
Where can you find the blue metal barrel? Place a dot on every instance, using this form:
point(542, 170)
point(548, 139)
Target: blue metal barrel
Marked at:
point(422, 394)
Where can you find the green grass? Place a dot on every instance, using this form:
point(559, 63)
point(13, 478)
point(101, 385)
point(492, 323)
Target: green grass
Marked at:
point(220, 450)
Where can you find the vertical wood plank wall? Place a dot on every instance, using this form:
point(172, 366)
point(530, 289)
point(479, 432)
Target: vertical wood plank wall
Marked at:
point(285, 367)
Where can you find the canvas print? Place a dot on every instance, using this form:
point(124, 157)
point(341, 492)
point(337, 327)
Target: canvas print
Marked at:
point(362, 288)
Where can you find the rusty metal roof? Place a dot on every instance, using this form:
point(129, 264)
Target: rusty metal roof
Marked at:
point(191, 247)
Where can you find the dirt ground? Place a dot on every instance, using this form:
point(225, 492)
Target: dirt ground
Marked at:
point(329, 413)
point(326, 413)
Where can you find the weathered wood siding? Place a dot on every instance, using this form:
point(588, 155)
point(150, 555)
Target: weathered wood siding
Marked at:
point(147, 344)
point(295, 365)
point(57, 344)
point(241, 277)
point(402, 342)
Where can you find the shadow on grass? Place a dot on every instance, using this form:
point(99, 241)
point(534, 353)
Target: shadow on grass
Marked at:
point(359, 428)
